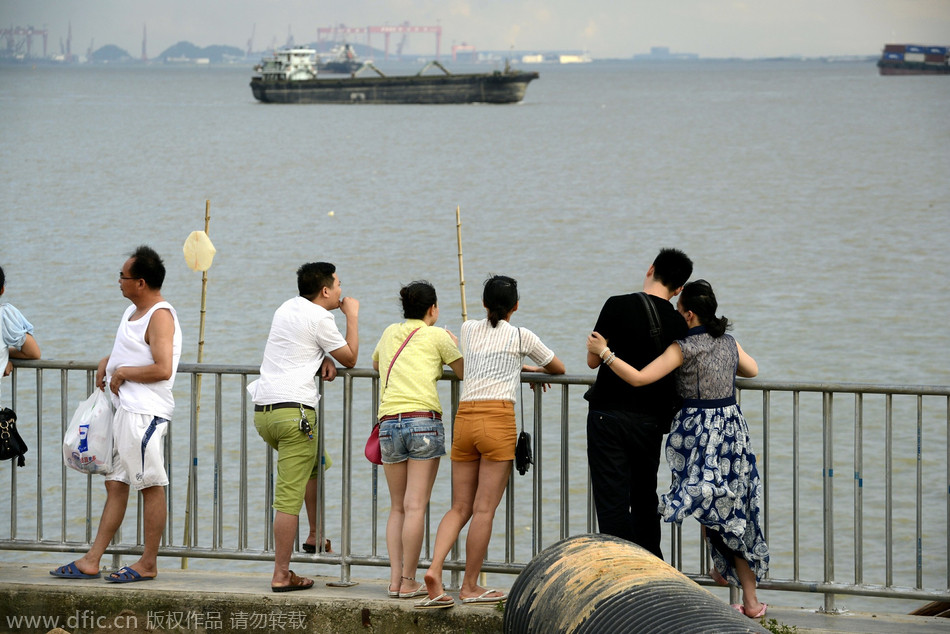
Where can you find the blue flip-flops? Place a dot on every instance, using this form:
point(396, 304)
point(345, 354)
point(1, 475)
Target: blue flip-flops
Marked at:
point(126, 575)
point(70, 571)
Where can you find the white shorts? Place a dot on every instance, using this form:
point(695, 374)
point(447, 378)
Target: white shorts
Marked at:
point(138, 449)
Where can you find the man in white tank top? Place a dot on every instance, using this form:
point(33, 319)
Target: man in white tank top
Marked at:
point(139, 373)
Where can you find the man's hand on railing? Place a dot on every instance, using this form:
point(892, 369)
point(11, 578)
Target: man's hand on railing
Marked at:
point(328, 369)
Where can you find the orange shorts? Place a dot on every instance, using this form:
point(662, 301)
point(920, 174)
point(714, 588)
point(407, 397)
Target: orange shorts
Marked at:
point(484, 429)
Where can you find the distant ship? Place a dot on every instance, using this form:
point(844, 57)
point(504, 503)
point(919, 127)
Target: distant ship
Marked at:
point(914, 59)
point(341, 60)
point(290, 76)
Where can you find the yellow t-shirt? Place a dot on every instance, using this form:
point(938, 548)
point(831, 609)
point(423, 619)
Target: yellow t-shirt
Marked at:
point(412, 381)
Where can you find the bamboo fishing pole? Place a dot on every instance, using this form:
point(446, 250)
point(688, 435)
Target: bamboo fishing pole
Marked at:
point(458, 232)
point(192, 481)
point(482, 577)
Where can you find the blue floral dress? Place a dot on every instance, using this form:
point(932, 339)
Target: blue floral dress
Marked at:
point(715, 478)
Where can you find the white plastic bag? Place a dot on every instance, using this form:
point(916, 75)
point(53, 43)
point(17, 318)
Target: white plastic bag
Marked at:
point(87, 445)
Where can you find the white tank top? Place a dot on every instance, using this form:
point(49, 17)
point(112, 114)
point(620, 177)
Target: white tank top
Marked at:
point(130, 349)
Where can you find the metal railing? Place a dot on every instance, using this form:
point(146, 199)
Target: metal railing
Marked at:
point(884, 533)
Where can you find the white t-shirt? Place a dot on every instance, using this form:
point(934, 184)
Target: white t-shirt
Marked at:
point(301, 335)
point(130, 349)
point(493, 359)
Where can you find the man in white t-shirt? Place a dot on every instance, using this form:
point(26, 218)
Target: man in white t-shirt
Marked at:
point(302, 335)
point(140, 373)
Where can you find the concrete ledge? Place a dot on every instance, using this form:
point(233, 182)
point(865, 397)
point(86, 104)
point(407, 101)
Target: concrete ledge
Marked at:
point(242, 603)
point(31, 600)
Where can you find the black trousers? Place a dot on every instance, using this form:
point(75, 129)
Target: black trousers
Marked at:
point(623, 451)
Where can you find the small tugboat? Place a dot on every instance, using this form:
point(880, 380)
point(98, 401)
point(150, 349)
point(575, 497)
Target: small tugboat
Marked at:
point(341, 60)
point(914, 59)
point(290, 76)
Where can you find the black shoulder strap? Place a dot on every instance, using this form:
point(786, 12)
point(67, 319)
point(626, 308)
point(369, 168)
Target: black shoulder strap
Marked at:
point(520, 384)
point(656, 329)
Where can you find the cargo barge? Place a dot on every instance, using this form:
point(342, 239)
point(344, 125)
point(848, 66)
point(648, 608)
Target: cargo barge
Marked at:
point(290, 76)
point(341, 60)
point(914, 59)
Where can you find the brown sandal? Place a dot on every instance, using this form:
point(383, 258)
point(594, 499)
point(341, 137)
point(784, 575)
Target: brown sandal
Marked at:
point(296, 583)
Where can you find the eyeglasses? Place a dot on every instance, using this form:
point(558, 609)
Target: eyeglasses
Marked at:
point(122, 277)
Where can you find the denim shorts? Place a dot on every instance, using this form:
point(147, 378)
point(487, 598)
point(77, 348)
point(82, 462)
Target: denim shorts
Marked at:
point(416, 438)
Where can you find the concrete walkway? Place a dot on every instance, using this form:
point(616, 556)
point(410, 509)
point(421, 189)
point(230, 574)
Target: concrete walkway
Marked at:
point(31, 600)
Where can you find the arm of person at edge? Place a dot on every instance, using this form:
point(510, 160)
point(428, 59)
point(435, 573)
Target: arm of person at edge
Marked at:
point(671, 359)
point(348, 354)
point(160, 337)
point(29, 350)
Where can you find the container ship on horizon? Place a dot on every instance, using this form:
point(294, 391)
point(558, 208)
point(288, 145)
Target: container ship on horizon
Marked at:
point(914, 59)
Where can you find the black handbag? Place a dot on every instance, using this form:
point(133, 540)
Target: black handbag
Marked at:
point(11, 444)
point(523, 455)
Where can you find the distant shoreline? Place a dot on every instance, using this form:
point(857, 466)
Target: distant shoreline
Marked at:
point(250, 62)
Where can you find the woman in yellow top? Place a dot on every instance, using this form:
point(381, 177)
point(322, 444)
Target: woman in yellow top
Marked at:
point(409, 358)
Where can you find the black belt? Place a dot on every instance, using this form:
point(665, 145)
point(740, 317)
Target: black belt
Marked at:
point(410, 415)
point(288, 405)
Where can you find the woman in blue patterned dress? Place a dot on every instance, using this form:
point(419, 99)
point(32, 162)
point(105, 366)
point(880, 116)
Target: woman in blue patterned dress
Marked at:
point(715, 478)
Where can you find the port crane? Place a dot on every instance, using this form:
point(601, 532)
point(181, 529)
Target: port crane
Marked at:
point(336, 33)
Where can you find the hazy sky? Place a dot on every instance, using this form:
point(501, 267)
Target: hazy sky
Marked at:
point(605, 28)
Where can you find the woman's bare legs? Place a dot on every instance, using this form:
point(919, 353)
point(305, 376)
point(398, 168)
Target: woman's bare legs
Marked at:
point(310, 502)
point(464, 484)
point(492, 480)
point(396, 481)
point(410, 486)
point(750, 602)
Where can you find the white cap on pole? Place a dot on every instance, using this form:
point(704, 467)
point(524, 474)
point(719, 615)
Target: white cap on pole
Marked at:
point(199, 251)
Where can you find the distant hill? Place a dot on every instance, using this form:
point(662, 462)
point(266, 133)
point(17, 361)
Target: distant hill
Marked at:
point(110, 53)
point(188, 51)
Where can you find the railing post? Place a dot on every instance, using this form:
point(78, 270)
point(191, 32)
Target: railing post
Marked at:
point(455, 576)
point(347, 488)
point(565, 528)
point(218, 521)
point(764, 472)
point(63, 408)
point(191, 495)
point(242, 469)
point(888, 491)
point(321, 507)
point(828, 514)
point(858, 489)
point(920, 501)
point(39, 454)
point(796, 535)
point(536, 499)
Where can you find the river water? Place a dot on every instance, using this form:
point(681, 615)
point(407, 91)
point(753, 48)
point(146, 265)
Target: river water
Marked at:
point(814, 197)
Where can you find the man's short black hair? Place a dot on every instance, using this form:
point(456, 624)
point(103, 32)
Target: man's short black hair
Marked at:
point(672, 268)
point(148, 266)
point(313, 277)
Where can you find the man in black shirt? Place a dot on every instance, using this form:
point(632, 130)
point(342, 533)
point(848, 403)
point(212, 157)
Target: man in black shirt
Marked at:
point(625, 424)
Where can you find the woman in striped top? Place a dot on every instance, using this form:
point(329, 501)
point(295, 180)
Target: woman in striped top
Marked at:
point(485, 434)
